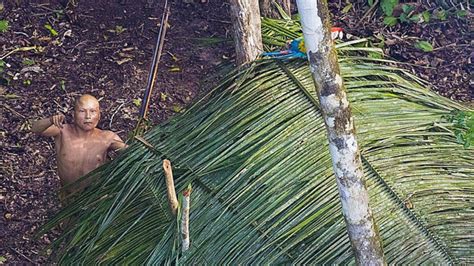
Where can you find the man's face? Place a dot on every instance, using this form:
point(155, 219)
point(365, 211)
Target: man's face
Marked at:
point(87, 114)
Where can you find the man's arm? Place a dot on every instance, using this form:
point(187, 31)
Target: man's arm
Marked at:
point(117, 143)
point(48, 127)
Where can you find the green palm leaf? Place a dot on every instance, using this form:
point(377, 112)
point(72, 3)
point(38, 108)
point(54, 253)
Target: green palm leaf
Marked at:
point(256, 153)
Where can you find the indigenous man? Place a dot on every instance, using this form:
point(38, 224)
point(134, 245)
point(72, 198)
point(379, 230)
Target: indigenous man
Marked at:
point(80, 147)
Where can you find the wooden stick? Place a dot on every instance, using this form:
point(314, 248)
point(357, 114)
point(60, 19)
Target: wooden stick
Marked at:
point(185, 218)
point(172, 199)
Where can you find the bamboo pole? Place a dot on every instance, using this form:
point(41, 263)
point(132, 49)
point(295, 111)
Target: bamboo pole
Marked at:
point(156, 60)
point(172, 199)
point(347, 164)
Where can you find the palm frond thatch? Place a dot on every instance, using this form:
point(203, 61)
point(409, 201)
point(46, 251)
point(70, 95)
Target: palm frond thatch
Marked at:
point(256, 154)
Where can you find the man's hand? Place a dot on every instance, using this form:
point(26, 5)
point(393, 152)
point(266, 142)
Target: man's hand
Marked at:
point(57, 120)
point(49, 127)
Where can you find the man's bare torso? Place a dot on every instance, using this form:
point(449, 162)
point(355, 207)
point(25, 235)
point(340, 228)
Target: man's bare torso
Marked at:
point(77, 156)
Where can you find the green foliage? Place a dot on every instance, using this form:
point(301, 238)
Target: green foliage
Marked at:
point(28, 62)
point(4, 26)
point(119, 29)
point(461, 13)
point(406, 8)
point(52, 31)
point(388, 6)
point(426, 16)
point(424, 46)
point(347, 8)
point(410, 14)
point(62, 85)
point(177, 108)
point(137, 102)
point(464, 127)
point(2, 66)
point(390, 21)
point(255, 151)
point(441, 14)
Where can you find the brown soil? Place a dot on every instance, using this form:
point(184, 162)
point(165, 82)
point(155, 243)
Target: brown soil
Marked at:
point(105, 48)
point(448, 67)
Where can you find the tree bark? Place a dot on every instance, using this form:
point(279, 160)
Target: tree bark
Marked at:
point(268, 10)
point(245, 16)
point(339, 122)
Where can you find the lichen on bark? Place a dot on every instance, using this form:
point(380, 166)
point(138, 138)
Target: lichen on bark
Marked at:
point(343, 145)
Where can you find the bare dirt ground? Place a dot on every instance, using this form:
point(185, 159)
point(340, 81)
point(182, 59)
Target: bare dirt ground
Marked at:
point(105, 48)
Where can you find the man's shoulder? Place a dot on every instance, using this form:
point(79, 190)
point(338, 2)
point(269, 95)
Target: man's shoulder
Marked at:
point(107, 133)
point(66, 129)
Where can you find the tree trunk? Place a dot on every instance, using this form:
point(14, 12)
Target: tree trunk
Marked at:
point(268, 9)
point(245, 16)
point(343, 146)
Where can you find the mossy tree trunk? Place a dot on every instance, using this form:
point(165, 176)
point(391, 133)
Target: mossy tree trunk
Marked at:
point(347, 165)
point(245, 16)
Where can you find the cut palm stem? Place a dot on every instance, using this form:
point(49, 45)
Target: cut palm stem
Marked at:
point(172, 200)
point(185, 218)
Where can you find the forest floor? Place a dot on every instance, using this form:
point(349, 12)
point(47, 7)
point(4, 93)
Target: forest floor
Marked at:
point(105, 48)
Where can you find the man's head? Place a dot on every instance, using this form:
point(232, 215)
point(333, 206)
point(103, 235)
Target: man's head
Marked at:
point(86, 112)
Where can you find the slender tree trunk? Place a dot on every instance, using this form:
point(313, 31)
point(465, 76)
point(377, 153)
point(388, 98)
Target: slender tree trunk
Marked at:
point(343, 146)
point(245, 16)
point(269, 10)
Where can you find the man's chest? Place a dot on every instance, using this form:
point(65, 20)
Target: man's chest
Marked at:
point(72, 149)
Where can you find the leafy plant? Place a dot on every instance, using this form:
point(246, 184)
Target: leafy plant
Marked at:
point(62, 85)
point(426, 16)
point(255, 150)
point(4, 26)
point(52, 31)
point(424, 46)
point(408, 13)
point(28, 62)
point(137, 102)
point(119, 29)
point(464, 127)
point(388, 6)
point(2, 65)
point(390, 21)
point(461, 13)
point(177, 108)
point(347, 8)
point(441, 14)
